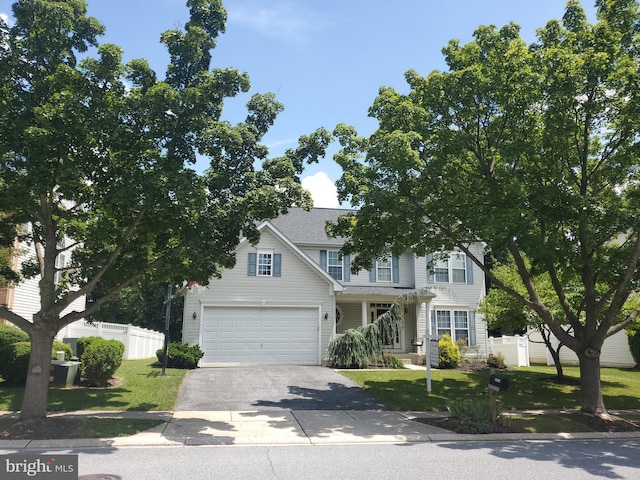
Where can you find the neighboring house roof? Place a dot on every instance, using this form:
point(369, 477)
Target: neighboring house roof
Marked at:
point(308, 227)
point(337, 287)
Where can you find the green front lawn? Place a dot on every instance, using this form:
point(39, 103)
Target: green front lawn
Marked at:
point(530, 388)
point(139, 386)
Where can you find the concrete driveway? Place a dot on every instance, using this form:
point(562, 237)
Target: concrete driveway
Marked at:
point(271, 387)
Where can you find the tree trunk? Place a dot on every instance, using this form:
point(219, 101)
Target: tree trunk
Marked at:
point(34, 403)
point(590, 388)
point(555, 354)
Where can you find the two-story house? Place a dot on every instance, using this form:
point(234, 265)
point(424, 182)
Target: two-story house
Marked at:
point(290, 294)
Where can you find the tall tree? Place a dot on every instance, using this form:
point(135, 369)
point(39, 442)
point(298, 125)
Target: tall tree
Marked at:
point(531, 149)
point(101, 153)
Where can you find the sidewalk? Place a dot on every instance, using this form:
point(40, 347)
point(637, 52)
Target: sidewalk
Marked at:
point(287, 427)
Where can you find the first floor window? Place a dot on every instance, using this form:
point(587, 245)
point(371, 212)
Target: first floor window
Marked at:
point(453, 322)
point(264, 264)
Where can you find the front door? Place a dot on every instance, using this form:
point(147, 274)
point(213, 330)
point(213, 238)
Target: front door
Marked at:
point(390, 342)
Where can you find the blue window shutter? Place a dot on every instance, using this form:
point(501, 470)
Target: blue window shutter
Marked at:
point(277, 264)
point(372, 272)
point(434, 327)
point(253, 261)
point(472, 327)
point(469, 270)
point(346, 268)
point(323, 260)
point(395, 269)
point(430, 276)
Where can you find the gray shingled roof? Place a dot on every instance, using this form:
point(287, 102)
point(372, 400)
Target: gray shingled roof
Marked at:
point(308, 228)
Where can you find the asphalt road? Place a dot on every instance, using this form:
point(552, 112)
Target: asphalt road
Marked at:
point(276, 387)
point(575, 460)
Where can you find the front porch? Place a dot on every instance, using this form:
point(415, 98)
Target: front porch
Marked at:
point(359, 306)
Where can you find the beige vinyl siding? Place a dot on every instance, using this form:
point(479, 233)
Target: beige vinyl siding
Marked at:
point(405, 269)
point(299, 284)
point(453, 296)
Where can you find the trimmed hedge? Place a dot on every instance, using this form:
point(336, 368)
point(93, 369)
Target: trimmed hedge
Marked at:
point(181, 355)
point(14, 360)
point(15, 363)
point(9, 335)
point(83, 342)
point(65, 347)
point(100, 360)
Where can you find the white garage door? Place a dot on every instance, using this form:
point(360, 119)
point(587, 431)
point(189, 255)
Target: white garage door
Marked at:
point(260, 335)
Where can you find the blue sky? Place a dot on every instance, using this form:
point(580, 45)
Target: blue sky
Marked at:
point(325, 60)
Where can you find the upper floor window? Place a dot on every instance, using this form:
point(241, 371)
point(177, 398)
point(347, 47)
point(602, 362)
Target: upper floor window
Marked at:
point(265, 264)
point(453, 268)
point(335, 266)
point(384, 270)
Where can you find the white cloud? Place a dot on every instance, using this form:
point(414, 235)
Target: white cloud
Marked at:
point(323, 191)
point(5, 17)
point(280, 19)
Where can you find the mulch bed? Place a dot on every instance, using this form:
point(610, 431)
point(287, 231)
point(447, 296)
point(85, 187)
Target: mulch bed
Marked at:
point(592, 423)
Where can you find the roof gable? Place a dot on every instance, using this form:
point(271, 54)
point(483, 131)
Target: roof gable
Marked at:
point(337, 287)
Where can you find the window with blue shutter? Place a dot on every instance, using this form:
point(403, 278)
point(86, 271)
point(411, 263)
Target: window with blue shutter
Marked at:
point(277, 264)
point(395, 267)
point(252, 264)
point(347, 268)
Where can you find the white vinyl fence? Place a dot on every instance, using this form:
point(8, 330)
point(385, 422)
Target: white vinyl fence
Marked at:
point(615, 351)
point(515, 350)
point(138, 342)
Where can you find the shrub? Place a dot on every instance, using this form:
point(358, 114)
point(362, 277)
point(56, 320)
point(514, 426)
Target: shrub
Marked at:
point(496, 361)
point(9, 335)
point(82, 343)
point(349, 350)
point(65, 347)
point(100, 360)
point(633, 337)
point(390, 360)
point(181, 355)
point(448, 352)
point(15, 362)
point(471, 415)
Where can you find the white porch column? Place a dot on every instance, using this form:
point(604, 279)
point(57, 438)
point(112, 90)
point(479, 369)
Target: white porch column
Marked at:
point(365, 314)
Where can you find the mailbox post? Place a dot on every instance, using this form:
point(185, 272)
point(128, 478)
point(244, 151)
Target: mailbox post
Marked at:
point(496, 384)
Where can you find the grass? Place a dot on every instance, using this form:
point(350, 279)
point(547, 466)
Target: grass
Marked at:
point(530, 388)
point(139, 386)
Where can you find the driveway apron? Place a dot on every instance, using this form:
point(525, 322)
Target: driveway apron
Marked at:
point(271, 387)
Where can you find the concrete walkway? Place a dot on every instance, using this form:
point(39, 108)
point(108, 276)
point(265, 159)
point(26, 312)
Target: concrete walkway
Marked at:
point(292, 427)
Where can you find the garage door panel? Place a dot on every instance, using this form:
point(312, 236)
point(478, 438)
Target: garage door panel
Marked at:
point(260, 335)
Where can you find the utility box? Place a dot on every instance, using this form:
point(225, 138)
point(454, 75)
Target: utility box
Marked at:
point(498, 384)
point(62, 373)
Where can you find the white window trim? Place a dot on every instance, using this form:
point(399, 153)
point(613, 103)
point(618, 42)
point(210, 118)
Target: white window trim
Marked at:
point(388, 260)
point(452, 322)
point(262, 254)
point(339, 265)
point(450, 268)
